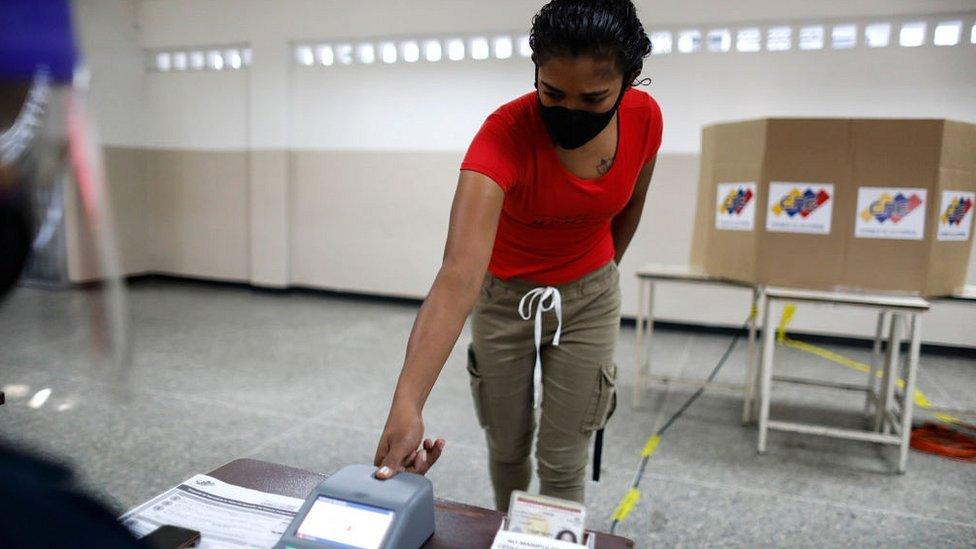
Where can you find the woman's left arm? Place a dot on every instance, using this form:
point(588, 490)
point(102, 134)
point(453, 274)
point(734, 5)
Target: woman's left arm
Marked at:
point(625, 223)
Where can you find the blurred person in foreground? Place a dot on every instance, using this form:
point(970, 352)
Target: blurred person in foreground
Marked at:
point(44, 141)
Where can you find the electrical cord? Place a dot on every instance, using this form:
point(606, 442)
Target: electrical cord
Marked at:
point(936, 439)
point(630, 499)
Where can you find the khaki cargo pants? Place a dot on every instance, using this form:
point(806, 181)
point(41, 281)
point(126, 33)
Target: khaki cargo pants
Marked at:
point(578, 379)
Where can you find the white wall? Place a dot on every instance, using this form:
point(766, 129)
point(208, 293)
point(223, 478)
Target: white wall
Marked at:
point(440, 106)
point(422, 107)
point(196, 111)
point(110, 44)
point(393, 133)
point(167, 22)
point(108, 40)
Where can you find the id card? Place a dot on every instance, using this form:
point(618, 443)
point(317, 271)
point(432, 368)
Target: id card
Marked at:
point(547, 517)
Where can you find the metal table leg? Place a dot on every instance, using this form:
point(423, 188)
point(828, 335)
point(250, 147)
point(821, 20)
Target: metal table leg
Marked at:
point(887, 389)
point(649, 329)
point(908, 398)
point(766, 376)
point(639, 345)
point(645, 331)
point(873, 396)
point(750, 382)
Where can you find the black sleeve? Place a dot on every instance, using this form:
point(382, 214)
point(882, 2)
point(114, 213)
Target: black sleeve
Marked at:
point(39, 507)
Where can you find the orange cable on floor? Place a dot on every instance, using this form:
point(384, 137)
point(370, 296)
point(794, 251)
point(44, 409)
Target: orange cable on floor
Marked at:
point(935, 439)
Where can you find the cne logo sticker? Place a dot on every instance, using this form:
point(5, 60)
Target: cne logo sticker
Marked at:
point(735, 206)
point(801, 203)
point(957, 210)
point(735, 201)
point(891, 208)
point(890, 212)
point(956, 215)
point(800, 207)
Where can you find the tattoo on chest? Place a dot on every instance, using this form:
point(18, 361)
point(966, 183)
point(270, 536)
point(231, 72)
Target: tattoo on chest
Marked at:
point(604, 166)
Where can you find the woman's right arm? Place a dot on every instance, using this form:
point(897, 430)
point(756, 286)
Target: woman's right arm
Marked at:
point(471, 235)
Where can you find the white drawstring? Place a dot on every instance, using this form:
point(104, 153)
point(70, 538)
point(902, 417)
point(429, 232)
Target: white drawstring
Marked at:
point(555, 302)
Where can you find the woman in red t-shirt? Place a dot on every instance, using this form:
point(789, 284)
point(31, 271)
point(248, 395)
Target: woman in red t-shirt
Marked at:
point(550, 193)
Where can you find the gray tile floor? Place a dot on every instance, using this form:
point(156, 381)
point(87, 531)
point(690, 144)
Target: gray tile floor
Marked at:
point(304, 379)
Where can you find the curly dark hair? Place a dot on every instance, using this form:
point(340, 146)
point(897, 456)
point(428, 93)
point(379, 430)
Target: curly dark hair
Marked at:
point(602, 28)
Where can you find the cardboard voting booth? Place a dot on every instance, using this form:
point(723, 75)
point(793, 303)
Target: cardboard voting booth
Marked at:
point(862, 204)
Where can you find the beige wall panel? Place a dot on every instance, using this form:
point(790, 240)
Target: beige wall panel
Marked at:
point(125, 169)
point(375, 222)
point(268, 187)
point(125, 175)
point(198, 203)
point(370, 222)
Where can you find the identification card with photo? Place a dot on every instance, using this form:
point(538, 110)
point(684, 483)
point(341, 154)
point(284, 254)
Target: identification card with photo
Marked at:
point(547, 517)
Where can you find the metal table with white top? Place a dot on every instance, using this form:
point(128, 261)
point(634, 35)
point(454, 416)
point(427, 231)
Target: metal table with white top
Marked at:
point(647, 277)
point(889, 410)
point(892, 421)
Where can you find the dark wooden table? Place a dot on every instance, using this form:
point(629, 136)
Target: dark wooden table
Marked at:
point(456, 525)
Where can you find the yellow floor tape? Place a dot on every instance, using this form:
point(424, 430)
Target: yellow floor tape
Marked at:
point(650, 445)
point(626, 505)
point(919, 397)
point(630, 499)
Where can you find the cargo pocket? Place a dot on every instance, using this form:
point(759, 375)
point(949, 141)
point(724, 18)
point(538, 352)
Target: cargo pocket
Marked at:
point(477, 388)
point(604, 399)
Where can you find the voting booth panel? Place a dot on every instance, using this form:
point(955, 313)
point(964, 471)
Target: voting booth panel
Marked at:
point(837, 203)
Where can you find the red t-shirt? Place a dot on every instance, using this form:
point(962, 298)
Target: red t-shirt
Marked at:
point(554, 226)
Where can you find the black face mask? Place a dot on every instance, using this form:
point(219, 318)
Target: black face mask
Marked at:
point(573, 128)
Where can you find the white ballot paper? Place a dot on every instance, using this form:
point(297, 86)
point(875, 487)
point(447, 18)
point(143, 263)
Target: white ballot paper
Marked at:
point(224, 514)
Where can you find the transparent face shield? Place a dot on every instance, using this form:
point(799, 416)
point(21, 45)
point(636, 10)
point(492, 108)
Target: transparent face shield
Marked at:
point(53, 195)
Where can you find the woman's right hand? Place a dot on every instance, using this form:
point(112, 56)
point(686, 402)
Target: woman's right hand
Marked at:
point(474, 220)
point(400, 447)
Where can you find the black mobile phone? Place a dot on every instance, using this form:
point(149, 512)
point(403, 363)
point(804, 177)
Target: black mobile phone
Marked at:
point(172, 537)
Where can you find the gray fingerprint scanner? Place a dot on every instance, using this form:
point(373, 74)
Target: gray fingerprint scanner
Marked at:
point(353, 509)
